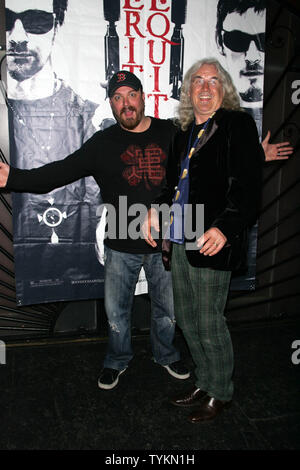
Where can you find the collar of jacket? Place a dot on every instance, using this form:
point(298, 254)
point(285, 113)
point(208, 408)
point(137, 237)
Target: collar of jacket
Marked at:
point(211, 129)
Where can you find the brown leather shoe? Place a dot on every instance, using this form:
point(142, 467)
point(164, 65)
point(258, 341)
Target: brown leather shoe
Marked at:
point(209, 409)
point(189, 398)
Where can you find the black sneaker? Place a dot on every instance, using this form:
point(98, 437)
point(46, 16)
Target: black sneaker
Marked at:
point(109, 378)
point(178, 370)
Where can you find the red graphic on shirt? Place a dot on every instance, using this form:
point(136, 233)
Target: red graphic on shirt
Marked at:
point(144, 166)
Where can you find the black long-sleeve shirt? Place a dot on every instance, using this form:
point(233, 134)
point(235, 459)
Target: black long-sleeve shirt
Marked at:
point(123, 163)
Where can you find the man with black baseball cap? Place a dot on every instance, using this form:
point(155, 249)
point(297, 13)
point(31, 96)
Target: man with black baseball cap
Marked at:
point(128, 160)
point(127, 101)
point(124, 78)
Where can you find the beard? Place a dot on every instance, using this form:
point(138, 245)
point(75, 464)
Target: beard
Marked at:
point(254, 73)
point(22, 65)
point(252, 95)
point(129, 123)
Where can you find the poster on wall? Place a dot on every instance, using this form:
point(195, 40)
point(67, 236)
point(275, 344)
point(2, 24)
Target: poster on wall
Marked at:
point(60, 56)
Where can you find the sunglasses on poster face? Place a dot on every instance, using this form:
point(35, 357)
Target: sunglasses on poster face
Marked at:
point(34, 21)
point(237, 41)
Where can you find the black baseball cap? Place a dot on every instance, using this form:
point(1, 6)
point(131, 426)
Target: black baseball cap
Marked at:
point(123, 78)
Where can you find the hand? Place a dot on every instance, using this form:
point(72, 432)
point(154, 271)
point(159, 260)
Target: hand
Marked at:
point(100, 235)
point(150, 221)
point(4, 172)
point(279, 151)
point(211, 242)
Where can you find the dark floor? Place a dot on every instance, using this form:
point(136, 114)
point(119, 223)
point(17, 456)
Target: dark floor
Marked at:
point(50, 399)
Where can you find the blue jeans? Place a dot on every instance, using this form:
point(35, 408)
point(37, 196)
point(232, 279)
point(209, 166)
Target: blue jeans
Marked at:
point(121, 274)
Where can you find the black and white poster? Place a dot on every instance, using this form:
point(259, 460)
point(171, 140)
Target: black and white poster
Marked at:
point(60, 55)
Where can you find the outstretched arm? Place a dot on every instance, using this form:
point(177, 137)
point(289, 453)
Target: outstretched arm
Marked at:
point(280, 151)
point(53, 175)
point(4, 172)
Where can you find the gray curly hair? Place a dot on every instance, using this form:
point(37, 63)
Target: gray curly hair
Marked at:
point(231, 100)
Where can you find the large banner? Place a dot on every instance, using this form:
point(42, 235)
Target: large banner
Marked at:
point(60, 55)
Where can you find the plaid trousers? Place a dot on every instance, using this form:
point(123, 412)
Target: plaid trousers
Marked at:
point(200, 296)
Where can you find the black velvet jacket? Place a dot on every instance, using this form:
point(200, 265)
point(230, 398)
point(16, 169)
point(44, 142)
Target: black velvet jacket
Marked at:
point(225, 176)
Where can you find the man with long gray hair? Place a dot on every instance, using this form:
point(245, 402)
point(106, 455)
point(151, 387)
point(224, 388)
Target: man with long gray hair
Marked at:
point(216, 162)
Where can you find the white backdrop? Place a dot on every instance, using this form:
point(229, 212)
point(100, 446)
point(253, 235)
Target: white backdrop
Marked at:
point(144, 29)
